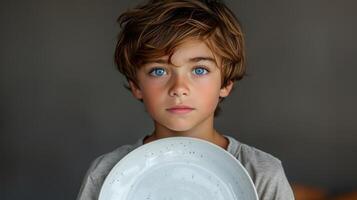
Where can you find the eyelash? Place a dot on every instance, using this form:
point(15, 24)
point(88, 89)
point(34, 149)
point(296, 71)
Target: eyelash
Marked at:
point(159, 68)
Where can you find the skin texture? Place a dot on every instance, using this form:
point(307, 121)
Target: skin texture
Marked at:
point(192, 78)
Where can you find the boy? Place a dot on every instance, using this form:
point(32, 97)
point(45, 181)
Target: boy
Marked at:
point(181, 59)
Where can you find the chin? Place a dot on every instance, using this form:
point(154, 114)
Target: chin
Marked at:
point(177, 128)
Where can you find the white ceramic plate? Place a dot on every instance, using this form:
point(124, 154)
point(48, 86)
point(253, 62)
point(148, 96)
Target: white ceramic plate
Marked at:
point(178, 168)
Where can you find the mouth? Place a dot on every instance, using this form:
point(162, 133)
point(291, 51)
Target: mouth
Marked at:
point(180, 109)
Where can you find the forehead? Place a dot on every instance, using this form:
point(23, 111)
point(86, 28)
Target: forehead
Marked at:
point(190, 50)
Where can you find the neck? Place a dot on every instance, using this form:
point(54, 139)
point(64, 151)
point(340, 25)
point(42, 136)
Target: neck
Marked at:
point(207, 135)
point(204, 133)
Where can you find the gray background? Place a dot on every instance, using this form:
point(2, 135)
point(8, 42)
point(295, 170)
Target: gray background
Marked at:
point(62, 102)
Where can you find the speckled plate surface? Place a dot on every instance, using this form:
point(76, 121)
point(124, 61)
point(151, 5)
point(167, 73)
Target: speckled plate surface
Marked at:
point(178, 168)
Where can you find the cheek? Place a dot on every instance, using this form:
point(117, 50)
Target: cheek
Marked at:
point(151, 95)
point(210, 85)
point(209, 92)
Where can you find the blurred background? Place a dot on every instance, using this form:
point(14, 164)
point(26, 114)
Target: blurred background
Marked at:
point(62, 101)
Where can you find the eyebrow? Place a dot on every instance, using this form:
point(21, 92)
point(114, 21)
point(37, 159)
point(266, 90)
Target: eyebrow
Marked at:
point(198, 59)
point(192, 60)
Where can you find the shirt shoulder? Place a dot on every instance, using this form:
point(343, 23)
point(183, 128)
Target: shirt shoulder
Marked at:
point(257, 160)
point(253, 159)
point(266, 171)
point(98, 171)
point(102, 165)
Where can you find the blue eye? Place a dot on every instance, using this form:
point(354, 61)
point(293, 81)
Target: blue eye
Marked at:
point(200, 71)
point(157, 72)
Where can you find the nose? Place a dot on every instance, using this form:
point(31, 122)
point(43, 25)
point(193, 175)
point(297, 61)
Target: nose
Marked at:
point(179, 86)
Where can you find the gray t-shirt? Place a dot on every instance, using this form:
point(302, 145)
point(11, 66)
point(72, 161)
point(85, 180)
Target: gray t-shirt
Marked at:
point(265, 170)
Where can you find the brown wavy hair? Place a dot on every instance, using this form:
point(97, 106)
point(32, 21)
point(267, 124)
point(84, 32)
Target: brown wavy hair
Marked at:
point(156, 28)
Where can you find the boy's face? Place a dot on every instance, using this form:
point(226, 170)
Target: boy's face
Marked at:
point(193, 79)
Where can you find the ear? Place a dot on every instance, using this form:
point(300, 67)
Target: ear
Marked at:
point(135, 90)
point(224, 92)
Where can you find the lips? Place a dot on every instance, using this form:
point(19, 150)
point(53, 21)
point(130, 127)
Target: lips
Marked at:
point(180, 109)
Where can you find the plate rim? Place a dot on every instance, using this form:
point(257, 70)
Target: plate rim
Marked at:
point(162, 140)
